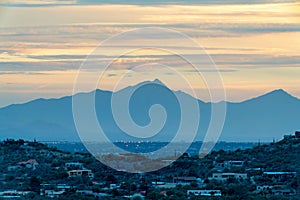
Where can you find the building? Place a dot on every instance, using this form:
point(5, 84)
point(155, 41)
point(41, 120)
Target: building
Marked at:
point(158, 183)
point(280, 175)
point(220, 166)
point(297, 134)
point(230, 163)
point(234, 163)
point(54, 190)
point(14, 167)
point(275, 190)
point(167, 185)
point(73, 165)
point(31, 164)
point(93, 194)
point(255, 169)
point(226, 176)
point(185, 155)
point(286, 192)
point(204, 192)
point(53, 193)
point(13, 194)
point(185, 179)
point(82, 172)
point(263, 188)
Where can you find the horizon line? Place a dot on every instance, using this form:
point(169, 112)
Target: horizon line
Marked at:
point(155, 81)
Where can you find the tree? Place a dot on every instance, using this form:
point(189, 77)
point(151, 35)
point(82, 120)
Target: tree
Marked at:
point(111, 179)
point(34, 184)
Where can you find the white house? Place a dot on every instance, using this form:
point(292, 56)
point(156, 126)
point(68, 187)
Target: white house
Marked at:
point(279, 175)
point(226, 176)
point(264, 188)
point(204, 192)
point(54, 193)
point(82, 172)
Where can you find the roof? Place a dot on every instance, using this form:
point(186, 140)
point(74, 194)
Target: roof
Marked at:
point(74, 163)
point(279, 173)
point(231, 173)
point(187, 178)
point(31, 161)
point(206, 190)
point(81, 170)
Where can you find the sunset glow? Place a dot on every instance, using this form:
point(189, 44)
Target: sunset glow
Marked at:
point(256, 47)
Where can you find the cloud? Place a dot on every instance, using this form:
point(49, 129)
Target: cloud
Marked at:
point(111, 75)
point(223, 61)
point(211, 70)
point(36, 2)
point(43, 45)
point(135, 2)
point(22, 72)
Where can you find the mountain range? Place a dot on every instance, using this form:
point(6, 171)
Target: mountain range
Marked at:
point(263, 118)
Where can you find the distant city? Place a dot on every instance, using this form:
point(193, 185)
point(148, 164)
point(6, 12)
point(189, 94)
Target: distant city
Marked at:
point(142, 147)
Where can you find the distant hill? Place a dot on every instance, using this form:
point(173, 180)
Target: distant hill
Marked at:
point(265, 117)
point(50, 170)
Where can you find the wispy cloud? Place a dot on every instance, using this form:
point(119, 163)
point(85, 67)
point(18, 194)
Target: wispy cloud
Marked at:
point(255, 44)
point(134, 2)
point(36, 2)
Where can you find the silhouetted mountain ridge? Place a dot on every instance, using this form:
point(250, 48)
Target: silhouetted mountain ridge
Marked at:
point(278, 95)
point(264, 117)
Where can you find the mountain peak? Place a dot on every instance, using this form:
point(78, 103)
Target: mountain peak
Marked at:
point(278, 92)
point(157, 81)
point(275, 95)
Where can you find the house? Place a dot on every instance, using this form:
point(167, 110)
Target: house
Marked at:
point(204, 193)
point(92, 194)
point(280, 175)
point(286, 192)
point(275, 190)
point(184, 179)
point(27, 147)
point(257, 169)
point(167, 185)
point(220, 166)
point(73, 165)
point(185, 155)
point(113, 186)
point(231, 163)
point(263, 188)
point(30, 164)
point(81, 172)
point(158, 183)
point(54, 193)
point(226, 176)
point(9, 194)
point(13, 167)
point(12, 194)
point(63, 187)
point(234, 163)
point(54, 190)
point(135, 196)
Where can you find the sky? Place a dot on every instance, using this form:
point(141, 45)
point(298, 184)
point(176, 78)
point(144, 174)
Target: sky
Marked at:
point(43, 43)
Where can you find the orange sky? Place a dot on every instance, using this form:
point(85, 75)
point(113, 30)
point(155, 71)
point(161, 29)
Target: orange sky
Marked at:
point(256, 47)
